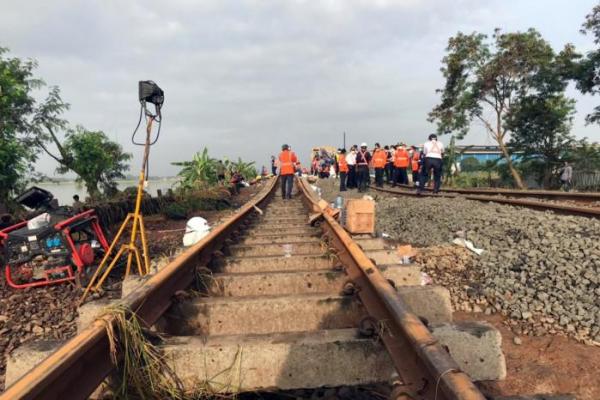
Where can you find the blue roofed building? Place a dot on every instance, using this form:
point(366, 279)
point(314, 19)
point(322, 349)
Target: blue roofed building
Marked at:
point(480, 153)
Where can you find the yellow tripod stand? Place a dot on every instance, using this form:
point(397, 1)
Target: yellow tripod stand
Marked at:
point(137, 227)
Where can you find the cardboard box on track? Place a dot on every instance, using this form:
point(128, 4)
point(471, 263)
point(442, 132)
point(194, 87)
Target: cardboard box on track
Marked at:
point(360, 216)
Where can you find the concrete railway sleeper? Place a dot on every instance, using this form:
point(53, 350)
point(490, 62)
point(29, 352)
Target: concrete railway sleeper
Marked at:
point(285, 305)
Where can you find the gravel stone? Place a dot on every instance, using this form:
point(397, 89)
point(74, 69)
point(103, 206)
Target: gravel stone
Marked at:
point(539, 269)
point(517, 340)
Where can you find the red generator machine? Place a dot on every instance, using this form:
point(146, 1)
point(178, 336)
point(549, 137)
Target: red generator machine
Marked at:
point(56, 246)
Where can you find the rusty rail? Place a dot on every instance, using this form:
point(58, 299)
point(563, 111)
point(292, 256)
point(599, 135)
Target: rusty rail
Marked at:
point(582, 197)
point(77, 368)
point(425, 367)
point(536, 205)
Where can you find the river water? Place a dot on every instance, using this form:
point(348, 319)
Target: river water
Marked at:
point(64, 191)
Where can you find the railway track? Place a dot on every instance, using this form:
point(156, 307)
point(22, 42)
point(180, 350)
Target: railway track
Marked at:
point(578, 197)
point(523, 200)
point(295, 305)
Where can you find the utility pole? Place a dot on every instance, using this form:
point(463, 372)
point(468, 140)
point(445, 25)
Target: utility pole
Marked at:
point(344, 140)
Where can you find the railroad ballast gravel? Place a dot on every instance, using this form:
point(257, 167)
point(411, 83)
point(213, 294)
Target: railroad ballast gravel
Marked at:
point(43, 313)
point(539, 269)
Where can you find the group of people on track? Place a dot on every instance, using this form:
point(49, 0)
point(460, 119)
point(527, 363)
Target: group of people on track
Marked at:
point(391, 164)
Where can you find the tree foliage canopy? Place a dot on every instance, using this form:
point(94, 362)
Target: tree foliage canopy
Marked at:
point(17, 107)
point(97, 161)
point(587, 71)
point(486, 79)
point(541, 127)
point(201, 171)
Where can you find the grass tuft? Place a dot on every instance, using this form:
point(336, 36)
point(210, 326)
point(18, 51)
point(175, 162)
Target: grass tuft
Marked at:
point(142, 372)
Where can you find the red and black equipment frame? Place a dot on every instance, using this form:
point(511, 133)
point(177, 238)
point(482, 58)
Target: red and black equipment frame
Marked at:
point(80, 254)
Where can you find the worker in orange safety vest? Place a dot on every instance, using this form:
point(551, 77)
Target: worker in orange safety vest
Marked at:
point(379, 160)
point(415, 164)
point(342, 169)
point(287, 168)
point(401, 162)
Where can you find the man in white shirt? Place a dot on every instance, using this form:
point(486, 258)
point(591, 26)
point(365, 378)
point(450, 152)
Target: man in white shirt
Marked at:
point(351, 161)
point(432, 151)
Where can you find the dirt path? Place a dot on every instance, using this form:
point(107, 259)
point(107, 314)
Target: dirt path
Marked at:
point(543, 364)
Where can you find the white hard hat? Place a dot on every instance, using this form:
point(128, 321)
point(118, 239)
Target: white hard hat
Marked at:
point(363, 144)
point(195, 229)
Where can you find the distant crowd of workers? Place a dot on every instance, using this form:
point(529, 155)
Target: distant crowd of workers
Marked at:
point(391, 164)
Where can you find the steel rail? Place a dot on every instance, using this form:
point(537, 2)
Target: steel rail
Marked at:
point(583, 197)
point(76, 369)
point(536, 205)
point(425, 367)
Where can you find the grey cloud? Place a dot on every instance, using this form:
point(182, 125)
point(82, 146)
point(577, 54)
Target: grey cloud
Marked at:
point(241, 77)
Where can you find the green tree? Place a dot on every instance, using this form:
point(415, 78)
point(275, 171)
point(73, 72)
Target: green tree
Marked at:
point(484, 80)
point(201, 170)
point(584, 156)
point(97, 161)
point(586, 72)
point(541, 130)
point(17, 107)
point(246, 169)
point(470, 164)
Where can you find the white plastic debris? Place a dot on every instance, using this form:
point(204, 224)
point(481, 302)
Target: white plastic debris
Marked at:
point(195, 229)
point(287, 250)
point(385, 235)
point(316, 189)
point(39, 222)
point(467, 244)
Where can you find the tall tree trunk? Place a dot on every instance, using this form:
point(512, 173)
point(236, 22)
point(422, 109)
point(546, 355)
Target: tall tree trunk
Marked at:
point(499, 134)
point(92, 189)
point(509, 164)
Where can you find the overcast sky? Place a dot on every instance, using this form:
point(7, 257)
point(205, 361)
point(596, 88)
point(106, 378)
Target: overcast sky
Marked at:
point(243, 77)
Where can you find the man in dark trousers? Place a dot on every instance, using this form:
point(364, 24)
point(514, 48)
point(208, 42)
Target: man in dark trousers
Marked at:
point(415, 164)
point(351, 160)
point(287, 168)
point(432, 153)
point(363, 158)
point(273, 166)
point(379, 160)
point(343, 169)
point(389, 164)
point(401, 161)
